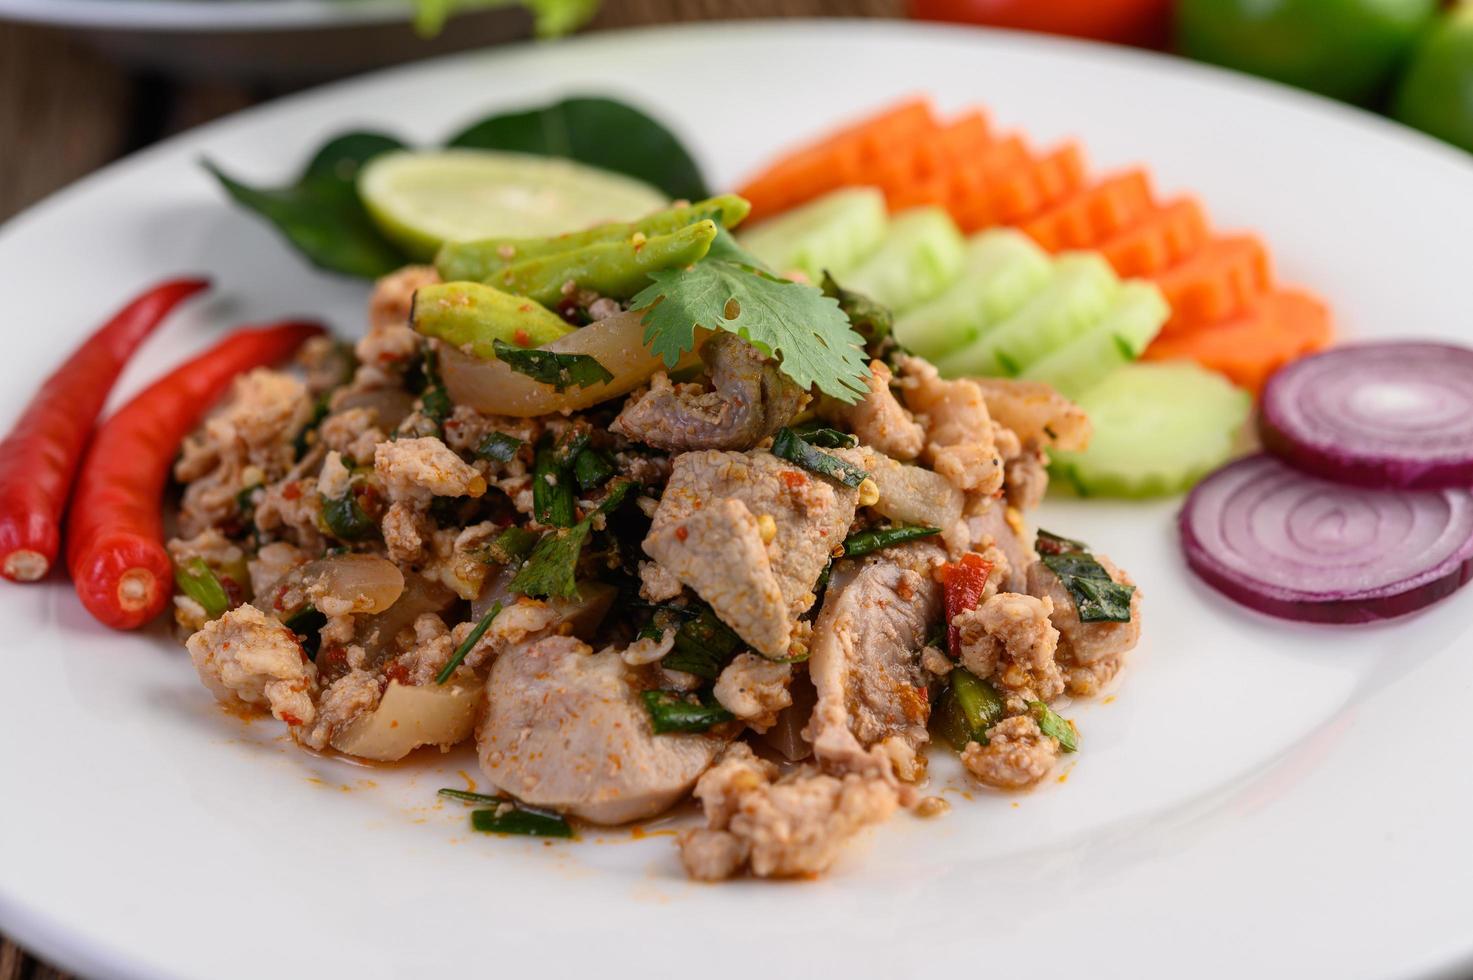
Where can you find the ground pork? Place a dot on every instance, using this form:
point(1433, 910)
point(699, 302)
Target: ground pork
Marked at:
point(1017, 754)
point(878, 419)
point(354, 432)
point(431, 650)
point(1008, 638)
point(413, 472)
point(290, 510)
point(796, 825)
point(348, 698)
point(754, 689)
point(959, 443)
point(656, 584)
point(247, 657)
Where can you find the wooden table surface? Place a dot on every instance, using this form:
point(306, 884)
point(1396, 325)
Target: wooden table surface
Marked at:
point(65, 111)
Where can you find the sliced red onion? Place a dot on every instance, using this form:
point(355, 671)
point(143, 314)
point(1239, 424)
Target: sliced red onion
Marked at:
point(1389, 415)
point(1296, 546)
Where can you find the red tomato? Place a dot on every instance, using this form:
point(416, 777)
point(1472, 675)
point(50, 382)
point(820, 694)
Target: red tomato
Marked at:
point(1143, 22)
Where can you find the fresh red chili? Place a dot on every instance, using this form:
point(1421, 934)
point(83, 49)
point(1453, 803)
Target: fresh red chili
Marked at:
point(39, 458)
point(963, 582)
point(115, 534)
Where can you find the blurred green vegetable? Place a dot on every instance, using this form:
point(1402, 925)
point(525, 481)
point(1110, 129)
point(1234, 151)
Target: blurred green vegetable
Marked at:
point(1436, 94)
point(550, 18)
point(1347, 49)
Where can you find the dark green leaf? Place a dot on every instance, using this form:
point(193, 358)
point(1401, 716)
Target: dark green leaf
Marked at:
point(703, 645)
point(1054, 726)
point(552, 568)
point(562, 371)
point(618, 492)
point(500, 447)
point(592, 469)
point(307, 623)
point(1097, 597)
point(553, 502)
point(863, 542)
point(198, 581)
point(672, 712)
point(826, 438)
point(345, 519)
point(870, 320)
point(596, 131)
point(790, 446)
point(321, 213)
point(512, 819)
point(468, 644)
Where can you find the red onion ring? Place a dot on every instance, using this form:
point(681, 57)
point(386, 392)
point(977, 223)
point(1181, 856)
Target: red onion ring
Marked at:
point(1387, 415)
point(1298, 547)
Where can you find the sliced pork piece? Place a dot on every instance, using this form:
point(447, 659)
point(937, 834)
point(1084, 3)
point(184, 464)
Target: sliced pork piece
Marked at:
point(1039, 416)
point(749, 399)
point(878, 419)
point(1090, 653)
point(723, 513)
point(998, 526)
point(565, 729)
point(796, 825)
point(865, 666)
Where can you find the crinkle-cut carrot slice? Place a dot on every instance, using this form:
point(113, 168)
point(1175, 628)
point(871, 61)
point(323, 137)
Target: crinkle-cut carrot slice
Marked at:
point(1282, 326)
point(1222, 279)
point(1160, 239)
point(1093, 214)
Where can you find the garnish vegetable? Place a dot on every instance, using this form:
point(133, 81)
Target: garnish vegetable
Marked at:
point(672, 712)
point(1436, 92)
point(40, 456)
point(501, 815)
point(472, 316)
point(963, 582)
point(115, 548)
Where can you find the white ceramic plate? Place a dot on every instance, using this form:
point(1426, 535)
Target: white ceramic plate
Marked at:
point(1258, 799)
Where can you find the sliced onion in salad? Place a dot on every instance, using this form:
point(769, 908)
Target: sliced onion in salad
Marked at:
point(1299, 547)
point(410, 716)
point(1393, 415)
point(493, 388)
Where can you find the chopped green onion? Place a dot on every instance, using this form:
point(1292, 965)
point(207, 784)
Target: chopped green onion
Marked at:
point(967, 709)
point(592, 469)
point(672, 712)
point(703, 645)
point(512, 819)
point(499, 447)
point(345, 519)
point(863, 542)
point(790, 446)
point(562, 371)
point(553, 502)
point(468, 643)
point(198, 581)
point(1052, 725)
point(551, 569)
point(466, 796)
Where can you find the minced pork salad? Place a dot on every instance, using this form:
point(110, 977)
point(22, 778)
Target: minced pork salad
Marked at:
point(644, 519)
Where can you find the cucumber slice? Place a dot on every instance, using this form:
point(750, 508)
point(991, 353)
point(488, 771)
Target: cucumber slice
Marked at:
point(1158, 429)
point(1133, 320)
point(422, 199)
point(1081, 290)
point(1001, 270)
point(920, 256)
point(833, 232)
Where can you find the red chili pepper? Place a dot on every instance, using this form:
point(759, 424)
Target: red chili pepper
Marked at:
point(115, 532)
point(963, 582)
point(39, 458)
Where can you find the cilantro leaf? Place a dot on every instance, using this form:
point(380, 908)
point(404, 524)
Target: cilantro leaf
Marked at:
point(562, 371)
point(551, 568)
point(782, 318)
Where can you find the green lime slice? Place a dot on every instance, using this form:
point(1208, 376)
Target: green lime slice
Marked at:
point(422, 199)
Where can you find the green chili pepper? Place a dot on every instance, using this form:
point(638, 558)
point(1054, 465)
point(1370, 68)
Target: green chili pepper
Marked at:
point(473, 316)
point(480, 260)
point(969, 707)
point(616, 269)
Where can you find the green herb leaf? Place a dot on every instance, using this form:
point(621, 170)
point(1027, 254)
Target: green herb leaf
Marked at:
point(553, 502)
point(321, 214)
point(468, 644)
point(672, 712)
point(345, 519)
point(967, 709)
point(791, 321)
point(1097, 597)
point(619, 491)
point(551, 569)
point(562, 371)
point(790, 446)
point(825, 437)
point(592, 469)
point(198, 581)
point(506, 816)
point(703, 646)
point(307, 623)
point(499, 447)
point(870, 320)
point(873, 539)
point(596, 131)
point(511, 545)
point(550, 18)
point(1052, 725)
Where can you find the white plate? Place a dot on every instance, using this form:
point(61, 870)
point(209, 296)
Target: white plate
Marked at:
point(1258, 799)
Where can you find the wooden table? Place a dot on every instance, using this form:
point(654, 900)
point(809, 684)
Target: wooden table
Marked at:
point(65, 111)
